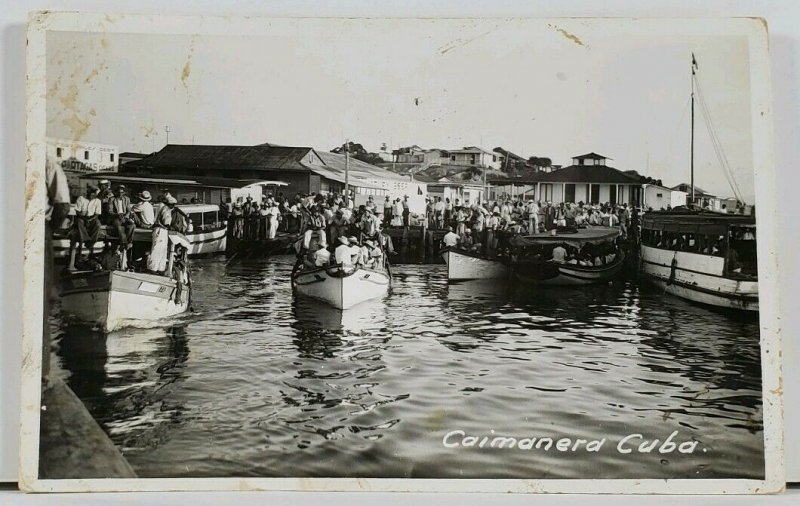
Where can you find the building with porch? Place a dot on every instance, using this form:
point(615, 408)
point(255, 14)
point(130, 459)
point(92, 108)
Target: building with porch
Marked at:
point(589, 180)
point(471, 156)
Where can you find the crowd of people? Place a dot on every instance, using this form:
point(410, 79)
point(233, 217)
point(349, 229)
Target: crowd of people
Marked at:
point(111, 215)
point(486, 227)
point(254, 221)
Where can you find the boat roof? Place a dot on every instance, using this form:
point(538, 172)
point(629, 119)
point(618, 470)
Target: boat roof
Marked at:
point(593, 235)
point(694, 217)
point(198, 208)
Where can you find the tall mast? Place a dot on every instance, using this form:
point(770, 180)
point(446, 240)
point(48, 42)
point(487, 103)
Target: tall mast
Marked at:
point(691, 158)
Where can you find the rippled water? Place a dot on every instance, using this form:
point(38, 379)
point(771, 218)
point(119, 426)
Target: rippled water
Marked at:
point(256, 382)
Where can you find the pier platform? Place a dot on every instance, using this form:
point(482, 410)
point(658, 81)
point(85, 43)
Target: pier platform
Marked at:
point(72, 443)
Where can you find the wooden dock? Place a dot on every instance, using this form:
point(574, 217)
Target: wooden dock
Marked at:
point(415, 243)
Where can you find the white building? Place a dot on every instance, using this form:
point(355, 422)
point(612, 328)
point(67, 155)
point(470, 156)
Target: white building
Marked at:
point(81, 156)
point(472, 155)
point(660, 197)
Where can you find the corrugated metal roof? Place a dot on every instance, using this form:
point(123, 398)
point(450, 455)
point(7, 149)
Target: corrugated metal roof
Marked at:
point(192, 156)
point(588, 174)
point(335, 161)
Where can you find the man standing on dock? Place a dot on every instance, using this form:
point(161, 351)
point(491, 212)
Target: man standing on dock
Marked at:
point(533, 217)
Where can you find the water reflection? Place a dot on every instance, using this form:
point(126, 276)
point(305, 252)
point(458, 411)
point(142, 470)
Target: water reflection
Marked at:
point(125, 377)
point(278, 385)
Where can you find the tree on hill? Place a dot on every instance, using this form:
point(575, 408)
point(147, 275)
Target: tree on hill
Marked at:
point(358, 152)
point(537, 161)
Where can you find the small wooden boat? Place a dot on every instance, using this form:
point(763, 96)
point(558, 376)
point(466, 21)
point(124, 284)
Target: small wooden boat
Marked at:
point(552, 273)
point(342, 288)
point(464, 265)
point(702, 256)
point(532, 262)
point(118, 298)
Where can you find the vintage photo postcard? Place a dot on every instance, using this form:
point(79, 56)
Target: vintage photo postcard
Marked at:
point(509, 255)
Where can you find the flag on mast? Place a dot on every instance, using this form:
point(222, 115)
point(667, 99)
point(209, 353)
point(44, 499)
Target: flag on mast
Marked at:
point(694, 62)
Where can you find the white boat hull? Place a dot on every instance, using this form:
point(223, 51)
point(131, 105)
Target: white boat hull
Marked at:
point(342, 291)
point(698, 278)
point(463, 266)
point(119, 298)
point(200, 243)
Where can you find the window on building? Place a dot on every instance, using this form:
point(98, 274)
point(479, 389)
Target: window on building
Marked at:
point(58, 152)
point(85, 155)
point(453, 158)
point(111, 157)
point(569, 193)
point(494, 158)
point(659, 195)
point(595, 194)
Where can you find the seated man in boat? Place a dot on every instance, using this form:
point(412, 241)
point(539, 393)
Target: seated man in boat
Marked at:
point(450, 239)
point(355, 250)
point(121, 216)
point(466, 242)
point(559, 254)
point(111, 259)
point(342, 254)
point(143, 213)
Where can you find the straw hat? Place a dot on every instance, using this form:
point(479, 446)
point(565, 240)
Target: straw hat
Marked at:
point(352, 238)
point(171, 200)
point(145, 196)
point(343, 240)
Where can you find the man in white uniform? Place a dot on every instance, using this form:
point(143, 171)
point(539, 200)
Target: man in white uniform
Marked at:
point(157, 262)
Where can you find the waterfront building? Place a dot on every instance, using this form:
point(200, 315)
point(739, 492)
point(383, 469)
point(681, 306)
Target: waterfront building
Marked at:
point(82, 156)
point(702, 198)
point(303, 169)
point(465, 192)
point(472, 156)
point(659, 197)
point(590, 180)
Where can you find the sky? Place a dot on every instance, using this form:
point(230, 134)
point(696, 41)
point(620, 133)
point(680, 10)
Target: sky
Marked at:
point(535, 88)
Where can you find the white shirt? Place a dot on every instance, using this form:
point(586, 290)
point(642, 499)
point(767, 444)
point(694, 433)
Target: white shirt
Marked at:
point(342, 255)
point(88, 207)
point(146, 212)
point(450, 239)
point(321, 257)
point(439, 206)
point(559, 254)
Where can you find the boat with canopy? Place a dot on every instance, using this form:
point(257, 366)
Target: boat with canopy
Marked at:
point(573, 256)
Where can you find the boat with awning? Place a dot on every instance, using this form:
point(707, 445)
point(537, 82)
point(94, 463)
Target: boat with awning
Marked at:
point(702, 256)
point(590, 255)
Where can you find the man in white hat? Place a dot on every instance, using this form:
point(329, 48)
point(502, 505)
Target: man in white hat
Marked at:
point(157, 262)
point(143, 213)
point(342, 253)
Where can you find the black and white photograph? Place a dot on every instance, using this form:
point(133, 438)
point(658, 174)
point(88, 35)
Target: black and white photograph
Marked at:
point(319, 253)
